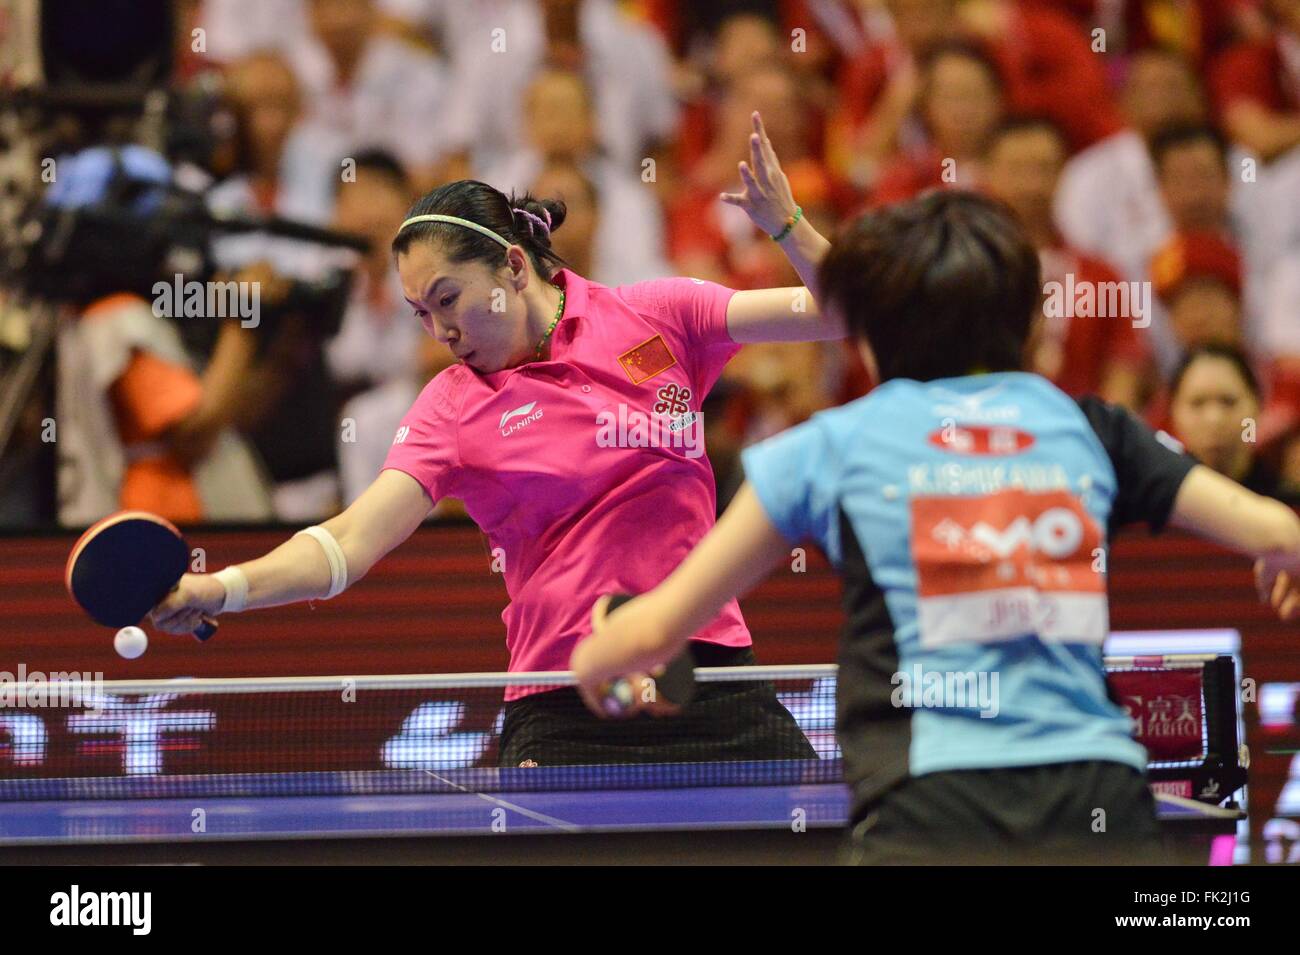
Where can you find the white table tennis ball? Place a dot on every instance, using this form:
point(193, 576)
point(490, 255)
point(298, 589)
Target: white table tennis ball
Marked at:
point(130, 642)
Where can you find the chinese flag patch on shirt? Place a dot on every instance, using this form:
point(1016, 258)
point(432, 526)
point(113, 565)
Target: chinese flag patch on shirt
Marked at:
point(647, 360)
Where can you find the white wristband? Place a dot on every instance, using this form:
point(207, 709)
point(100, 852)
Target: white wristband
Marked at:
point(236, 584)
point(338, 561)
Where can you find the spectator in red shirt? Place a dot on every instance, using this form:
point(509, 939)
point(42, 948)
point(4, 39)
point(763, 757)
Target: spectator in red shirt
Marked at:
point(1196, 29)
point(706, 77)
point(1198, 277)
point(1079, 354)
point(1256, 85)
point(1049, 67)
point(878, 90)
point(1044, 60)
point(960, 106)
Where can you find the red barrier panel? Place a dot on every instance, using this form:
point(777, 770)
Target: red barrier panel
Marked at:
point(434, 606)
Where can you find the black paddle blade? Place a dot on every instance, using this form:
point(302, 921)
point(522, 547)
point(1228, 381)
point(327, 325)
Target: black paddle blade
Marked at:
point(123, 566)
point(677, 683)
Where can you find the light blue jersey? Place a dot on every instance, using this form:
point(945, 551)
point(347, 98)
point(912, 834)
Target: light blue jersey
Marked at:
point(968, 518)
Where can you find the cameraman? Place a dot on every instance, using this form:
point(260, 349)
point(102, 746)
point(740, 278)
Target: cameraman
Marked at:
point(139, 425)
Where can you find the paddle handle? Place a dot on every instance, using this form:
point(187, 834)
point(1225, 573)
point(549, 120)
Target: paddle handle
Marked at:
point(205, 629)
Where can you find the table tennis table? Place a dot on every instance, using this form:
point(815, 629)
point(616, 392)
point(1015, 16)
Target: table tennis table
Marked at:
point(791, 823)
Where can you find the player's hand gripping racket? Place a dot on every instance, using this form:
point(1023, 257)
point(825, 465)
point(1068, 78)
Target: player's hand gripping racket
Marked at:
point(123, 566)
point(674, 684)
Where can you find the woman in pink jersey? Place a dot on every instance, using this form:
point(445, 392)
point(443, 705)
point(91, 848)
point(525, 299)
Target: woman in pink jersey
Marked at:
point(571, 430)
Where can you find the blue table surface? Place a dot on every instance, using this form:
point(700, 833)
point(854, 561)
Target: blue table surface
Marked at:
point(425, 814)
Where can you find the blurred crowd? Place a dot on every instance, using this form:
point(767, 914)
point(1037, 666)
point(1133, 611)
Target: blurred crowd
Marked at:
point(1151, 148)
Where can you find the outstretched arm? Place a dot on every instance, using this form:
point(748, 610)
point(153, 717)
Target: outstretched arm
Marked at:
point(386, 514)
point(1222, 510)
point(737, 554)
point(779, 314)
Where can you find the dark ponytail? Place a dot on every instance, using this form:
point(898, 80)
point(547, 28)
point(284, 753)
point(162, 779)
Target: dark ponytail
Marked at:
point(525, 220)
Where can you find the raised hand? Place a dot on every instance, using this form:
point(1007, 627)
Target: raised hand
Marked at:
point(766, 197)
point(1279, 585)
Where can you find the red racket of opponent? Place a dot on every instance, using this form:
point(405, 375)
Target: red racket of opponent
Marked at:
point(123, 566)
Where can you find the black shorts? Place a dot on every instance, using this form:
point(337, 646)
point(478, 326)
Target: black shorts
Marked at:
point(1090, 812)
point(734, 720)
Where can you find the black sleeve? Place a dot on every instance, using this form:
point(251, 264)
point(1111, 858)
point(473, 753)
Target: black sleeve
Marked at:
point(1149, 472)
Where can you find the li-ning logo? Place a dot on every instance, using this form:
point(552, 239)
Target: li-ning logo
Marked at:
point(528, 417)
point(74, 907)
point(402, 433)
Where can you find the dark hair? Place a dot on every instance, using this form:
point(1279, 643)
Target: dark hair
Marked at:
point(1022, 123)
point(1187, 134)
point(382, 163)
point(480, 203)
point(1229, 353)
point(940, 286)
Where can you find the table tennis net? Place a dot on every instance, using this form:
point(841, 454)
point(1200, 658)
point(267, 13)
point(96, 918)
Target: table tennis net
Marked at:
point(444, 733)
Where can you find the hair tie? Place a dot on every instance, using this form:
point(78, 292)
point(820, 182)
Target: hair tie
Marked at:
point(545, 224)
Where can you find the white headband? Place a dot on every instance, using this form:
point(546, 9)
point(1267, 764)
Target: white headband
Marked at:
point(457, 221)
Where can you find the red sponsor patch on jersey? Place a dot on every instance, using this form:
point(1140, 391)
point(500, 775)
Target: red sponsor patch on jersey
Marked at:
point(1045, 540)
point(977, 439)
point(646, 360)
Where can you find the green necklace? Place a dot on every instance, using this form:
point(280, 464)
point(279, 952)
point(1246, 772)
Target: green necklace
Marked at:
point(545, 338)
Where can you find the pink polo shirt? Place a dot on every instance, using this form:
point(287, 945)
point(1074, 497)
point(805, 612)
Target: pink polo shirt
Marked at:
point(586, 470)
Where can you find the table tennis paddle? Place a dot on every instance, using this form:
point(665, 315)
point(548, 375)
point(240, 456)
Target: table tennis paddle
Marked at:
point(676, 685)
point(123, 566)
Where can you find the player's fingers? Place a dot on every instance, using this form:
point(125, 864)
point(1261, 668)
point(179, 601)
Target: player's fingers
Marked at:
point(769, 152)
point(162, 615)
point(174, 601)
point(733, 198)
point(593, 700)
point(1281, 584)
point(757, 158)
point(170, 615)
point(185, 621)
point(1290, 605)
point(618, 700)
point(747, 177)
point(641, 689)
point(1263, 581)
point(599, 611)
point(759, 129)
point(172, 624)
